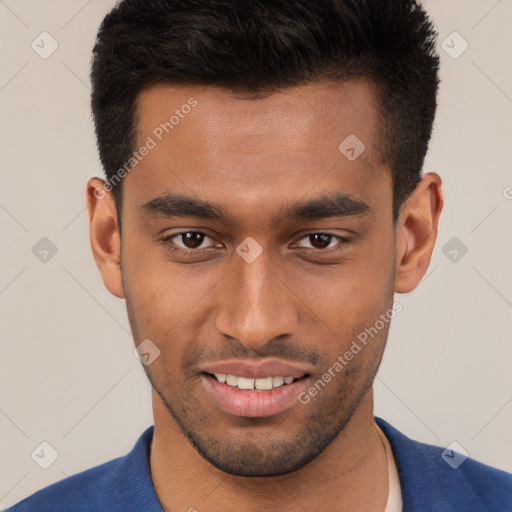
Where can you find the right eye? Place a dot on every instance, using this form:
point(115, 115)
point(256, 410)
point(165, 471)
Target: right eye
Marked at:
point(187, 241)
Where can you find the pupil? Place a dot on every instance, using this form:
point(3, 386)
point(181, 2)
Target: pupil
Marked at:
point(192, 239)
point(320, 240)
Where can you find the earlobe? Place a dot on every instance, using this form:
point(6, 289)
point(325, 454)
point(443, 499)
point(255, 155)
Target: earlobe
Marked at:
point(416, 232)
point(104, 235)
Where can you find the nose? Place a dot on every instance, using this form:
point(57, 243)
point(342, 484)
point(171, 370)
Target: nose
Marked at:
point(257, 304)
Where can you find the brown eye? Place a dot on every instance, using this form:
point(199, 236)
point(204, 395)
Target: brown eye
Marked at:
point(321, 241)
point(187, 241)
point(192, 239)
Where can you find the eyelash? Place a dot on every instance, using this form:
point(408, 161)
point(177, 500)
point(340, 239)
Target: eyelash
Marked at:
point(167, 241)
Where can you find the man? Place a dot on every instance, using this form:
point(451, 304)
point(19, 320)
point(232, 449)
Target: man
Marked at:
point(263, 203)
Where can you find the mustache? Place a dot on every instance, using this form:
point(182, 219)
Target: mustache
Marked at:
point(276, 349)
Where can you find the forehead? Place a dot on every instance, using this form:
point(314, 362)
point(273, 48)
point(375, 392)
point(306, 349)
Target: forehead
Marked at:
point(319, 112)
point(216, 144)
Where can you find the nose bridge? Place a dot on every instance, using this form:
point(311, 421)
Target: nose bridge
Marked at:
point(257, 306)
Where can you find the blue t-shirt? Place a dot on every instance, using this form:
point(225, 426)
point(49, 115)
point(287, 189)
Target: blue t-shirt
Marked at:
point(428, 483)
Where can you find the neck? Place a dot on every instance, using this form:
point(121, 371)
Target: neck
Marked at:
point(350, 474)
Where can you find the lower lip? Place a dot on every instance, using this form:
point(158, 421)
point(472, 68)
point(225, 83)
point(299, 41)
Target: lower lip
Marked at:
point(253, 404)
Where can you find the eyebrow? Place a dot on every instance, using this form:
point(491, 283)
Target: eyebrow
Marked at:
point(326, 206)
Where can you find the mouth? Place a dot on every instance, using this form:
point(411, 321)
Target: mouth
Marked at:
point(262, 384)
point(254, 397)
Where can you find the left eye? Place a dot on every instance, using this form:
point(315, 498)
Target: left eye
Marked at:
point(322, 240)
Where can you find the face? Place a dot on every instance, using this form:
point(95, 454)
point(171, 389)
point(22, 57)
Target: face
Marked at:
point(254, 249)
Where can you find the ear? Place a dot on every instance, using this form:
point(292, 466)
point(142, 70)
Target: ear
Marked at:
point(416, 232)
point(104, 235)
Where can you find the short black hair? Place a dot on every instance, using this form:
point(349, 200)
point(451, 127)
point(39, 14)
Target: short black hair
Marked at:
point(254, 46)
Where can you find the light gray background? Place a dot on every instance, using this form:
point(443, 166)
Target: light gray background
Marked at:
point(68, 374)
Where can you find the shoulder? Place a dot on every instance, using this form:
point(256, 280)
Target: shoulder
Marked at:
point(117, 485)
point(77, 492)
point(433, 478)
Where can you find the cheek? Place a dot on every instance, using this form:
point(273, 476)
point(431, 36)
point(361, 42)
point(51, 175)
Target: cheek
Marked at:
point(163, 297)
point(149, 289)
point(357, 289)
point(342, 302)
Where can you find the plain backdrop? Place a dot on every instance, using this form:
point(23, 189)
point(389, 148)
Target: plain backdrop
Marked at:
point(68, 375)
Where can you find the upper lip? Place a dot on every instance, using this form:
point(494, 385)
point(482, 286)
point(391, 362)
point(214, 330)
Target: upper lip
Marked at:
point(256, 369)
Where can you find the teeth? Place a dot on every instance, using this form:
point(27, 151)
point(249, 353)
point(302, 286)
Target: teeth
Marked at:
point(265, 384)
point(245, 383)
point(231, 380)
point(277, 381)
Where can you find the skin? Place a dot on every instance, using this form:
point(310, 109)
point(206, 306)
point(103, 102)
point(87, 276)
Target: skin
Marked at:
point(297, 302)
